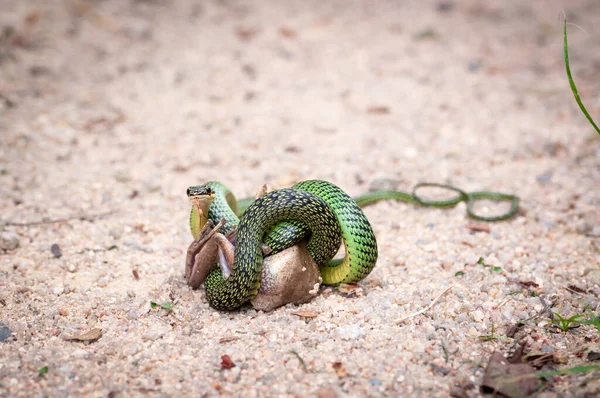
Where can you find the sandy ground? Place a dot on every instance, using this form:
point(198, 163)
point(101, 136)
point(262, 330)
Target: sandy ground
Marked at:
point(110, 109)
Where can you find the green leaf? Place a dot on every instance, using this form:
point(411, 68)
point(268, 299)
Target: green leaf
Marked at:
point(167, 305)
point(43, 371)
point(480, 261)
point(113, 247)
point(459, 273)
point(572, 83)
point(497, 269)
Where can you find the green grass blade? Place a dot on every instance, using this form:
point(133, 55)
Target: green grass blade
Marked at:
point(572, 83)
point(573, 370)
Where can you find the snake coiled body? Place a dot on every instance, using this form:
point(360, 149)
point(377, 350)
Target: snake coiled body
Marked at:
point(281, 218)
point(315, 210)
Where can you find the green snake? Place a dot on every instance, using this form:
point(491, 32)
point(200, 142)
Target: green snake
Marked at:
point(314, 209)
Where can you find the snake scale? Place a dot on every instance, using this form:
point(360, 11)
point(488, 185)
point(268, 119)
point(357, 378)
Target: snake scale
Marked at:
point(315, 210)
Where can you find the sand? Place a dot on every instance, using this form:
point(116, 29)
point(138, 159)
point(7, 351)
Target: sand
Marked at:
point(110, 109)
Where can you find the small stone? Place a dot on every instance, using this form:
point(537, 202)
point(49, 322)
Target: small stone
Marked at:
point(103, 281)
point(58, 290)
point(547, 348)
point(478, 315)
point(545, 177)
point(130, 349)
point(9, 240)
point(55, 250)
point(131, 293)
point(156, 333)
point(350, 332)
point(79, 354)
point(5, 333)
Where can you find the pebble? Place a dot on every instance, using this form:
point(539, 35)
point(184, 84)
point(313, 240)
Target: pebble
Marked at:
point(130, 349)
point(58, 290)
point(478, 315)
point(9, 240)
point(103, 281)
point(350, 332)
point(5, 332)
point(71, 267)
point(79, 354)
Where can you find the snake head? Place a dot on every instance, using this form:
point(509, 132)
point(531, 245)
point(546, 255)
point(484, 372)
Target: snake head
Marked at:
point(201, 197)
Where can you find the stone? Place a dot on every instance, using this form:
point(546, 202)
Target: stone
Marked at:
point(5, 332)
point(288, 277)
point(9, 240)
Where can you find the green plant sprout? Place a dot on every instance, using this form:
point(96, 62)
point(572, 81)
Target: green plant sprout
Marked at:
point(572, 83)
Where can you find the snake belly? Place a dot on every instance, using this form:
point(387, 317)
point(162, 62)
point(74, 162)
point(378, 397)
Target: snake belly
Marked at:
point(281, 218)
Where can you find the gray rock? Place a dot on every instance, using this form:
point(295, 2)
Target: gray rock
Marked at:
point(291, 276)
point(5, 333)
point(9, 240)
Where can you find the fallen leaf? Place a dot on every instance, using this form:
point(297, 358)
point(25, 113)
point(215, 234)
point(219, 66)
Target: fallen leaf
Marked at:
point(136, 275)
point(91, 335)
point(512, 380)
point(228, 339)
point(305, 314)
point(478, 228)
point(226, 362)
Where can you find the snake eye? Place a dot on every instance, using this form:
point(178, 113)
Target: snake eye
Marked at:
point(209, 191)
point(187, 192)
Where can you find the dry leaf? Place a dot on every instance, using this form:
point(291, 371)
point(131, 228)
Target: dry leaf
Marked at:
point(226, 362)
point(91, 335)
point(305, 313)
point(512, 380)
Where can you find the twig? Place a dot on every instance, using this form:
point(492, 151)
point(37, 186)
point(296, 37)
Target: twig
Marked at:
point(300, 359)
point(426, 308)
point(59, 220)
